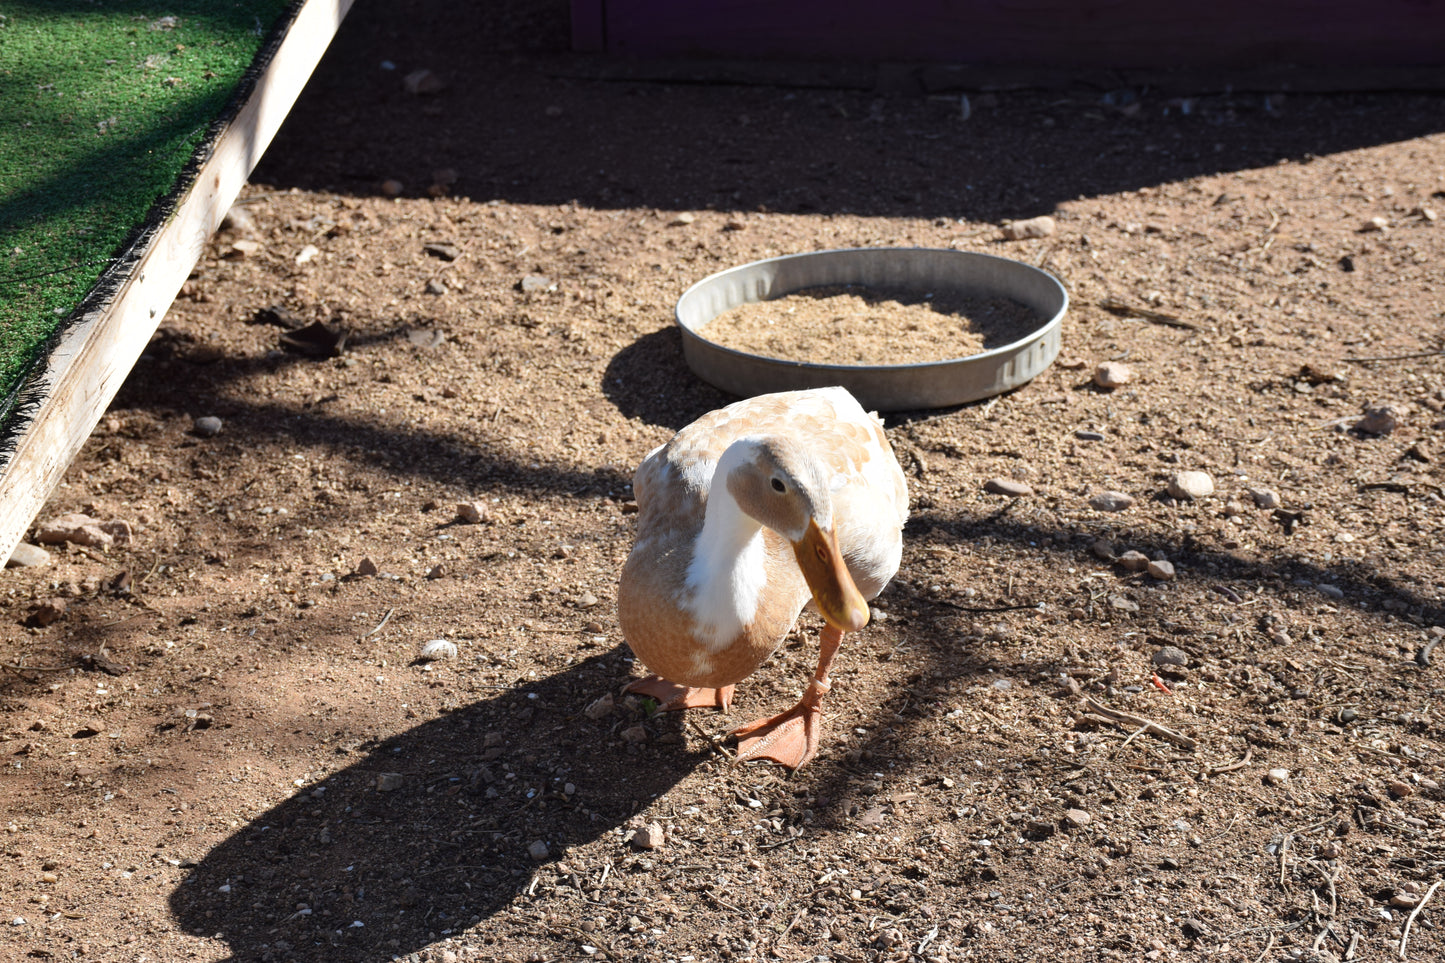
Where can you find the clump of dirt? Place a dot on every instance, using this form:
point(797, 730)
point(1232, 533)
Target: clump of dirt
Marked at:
point(853, 324)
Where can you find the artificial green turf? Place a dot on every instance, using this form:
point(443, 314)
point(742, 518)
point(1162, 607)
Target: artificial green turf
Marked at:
point(102, 105)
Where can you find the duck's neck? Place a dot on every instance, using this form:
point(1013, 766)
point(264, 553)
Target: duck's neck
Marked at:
point(728, 569)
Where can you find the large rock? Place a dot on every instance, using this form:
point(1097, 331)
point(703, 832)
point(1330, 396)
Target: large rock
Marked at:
point(82, 530)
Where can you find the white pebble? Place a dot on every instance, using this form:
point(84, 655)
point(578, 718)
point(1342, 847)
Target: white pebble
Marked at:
point(1162, 570)
point(1191, 484)
point(1277, 777)
point(1041, 226)
point(1112, 374)
point(438, 649)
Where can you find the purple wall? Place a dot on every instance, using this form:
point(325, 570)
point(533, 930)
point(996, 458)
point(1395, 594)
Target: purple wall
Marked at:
point(1047, 33)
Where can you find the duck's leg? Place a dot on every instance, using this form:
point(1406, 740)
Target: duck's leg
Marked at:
point(791, 738)
point(672, 696)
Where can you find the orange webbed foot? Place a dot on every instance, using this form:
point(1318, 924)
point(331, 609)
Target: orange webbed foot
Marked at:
point(790, 738)
point(672, 697)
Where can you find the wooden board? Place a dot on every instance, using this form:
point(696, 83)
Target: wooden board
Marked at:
point(1020, 33)
point(86, 368)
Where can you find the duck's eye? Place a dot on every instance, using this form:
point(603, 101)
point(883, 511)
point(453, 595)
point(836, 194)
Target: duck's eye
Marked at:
point(778, 485)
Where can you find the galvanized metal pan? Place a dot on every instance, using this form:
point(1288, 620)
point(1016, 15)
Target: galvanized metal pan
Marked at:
point(884, 387)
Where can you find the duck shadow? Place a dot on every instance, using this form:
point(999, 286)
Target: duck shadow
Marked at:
point(432, 830)
point(650, 380)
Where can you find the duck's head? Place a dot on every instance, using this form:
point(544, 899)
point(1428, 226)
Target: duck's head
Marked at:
point(778, 483)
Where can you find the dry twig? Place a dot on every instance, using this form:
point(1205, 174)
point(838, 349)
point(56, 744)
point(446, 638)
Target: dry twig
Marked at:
point(1330, 880)
point(1232, 766)
point(380, 625)
point(1396, 357)
point(1416, 912)
point(1125, 309)
point(1148, 725)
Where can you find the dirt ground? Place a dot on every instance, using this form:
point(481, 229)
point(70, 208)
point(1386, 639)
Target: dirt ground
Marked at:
point(232, 750)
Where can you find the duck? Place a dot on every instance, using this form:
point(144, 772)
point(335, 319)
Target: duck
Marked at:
point(746, 517)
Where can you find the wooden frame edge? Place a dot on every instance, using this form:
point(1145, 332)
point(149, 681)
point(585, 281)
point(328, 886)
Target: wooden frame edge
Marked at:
point(94, 356)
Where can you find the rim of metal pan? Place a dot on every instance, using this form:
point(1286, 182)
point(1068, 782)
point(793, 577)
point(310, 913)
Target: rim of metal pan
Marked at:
point(883, 387)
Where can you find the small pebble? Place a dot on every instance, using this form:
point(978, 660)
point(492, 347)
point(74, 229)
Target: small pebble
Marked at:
point(1375, 224)
point(472, 513)
point(442, 250)
point(27, 555)
point(207, 426)
point(600, 708)
point(436, 287)
point(1133, 561)
point(1103, 548)
point(1112, 374)
point(1191, 485)
point(1089, 435)
point(535, 283)
point(634, 734)
point(240, 220)
point(1399, 788)
point(48, 612)
point(366, 567)
point(1277, 777)
point(1170, 655)
point(423, 82)
point(1380, 419)
point(1077, 818)
point(537, 850)
point(1111, 501)
point(683, 219)
point(392, 187)
point(1041, 226)
point(389, 781)
point(1265, 497)
point(649, 836)
point(1161, 569)
point(1007, 486)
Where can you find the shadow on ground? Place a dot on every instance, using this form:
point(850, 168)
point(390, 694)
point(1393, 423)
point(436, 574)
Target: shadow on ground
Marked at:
point(429, 831)
point(524, 120)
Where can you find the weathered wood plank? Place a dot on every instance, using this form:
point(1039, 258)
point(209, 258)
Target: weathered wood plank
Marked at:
point(86, 368)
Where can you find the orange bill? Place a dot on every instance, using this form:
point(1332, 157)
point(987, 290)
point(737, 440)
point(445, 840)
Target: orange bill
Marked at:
point(837, 598)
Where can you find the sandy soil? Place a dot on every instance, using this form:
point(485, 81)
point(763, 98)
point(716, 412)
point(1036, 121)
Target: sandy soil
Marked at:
point(234, 752)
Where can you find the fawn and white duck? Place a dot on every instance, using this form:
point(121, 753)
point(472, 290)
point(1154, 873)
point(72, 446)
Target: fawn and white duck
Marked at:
point(745, 517)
